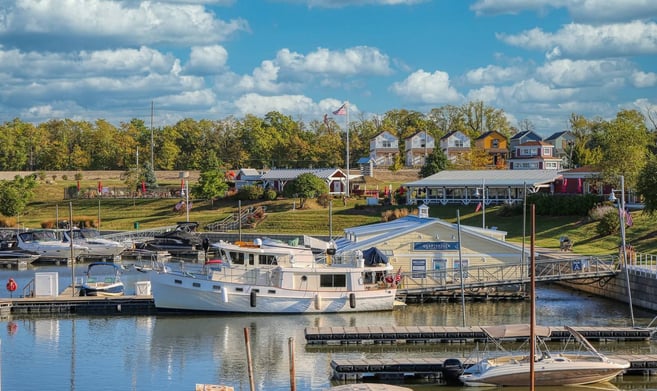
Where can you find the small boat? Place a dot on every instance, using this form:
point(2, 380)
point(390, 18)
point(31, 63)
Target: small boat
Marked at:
point(585, 366)
point(182, 240)
point(102, 279)
point(272, 277)
point(47, 244)
point(98, 246)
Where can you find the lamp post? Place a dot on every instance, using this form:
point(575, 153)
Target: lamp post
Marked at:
point(483, 202)
point(184, 175)
point(621, 217)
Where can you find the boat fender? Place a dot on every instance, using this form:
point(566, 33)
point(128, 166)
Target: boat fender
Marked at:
point(352, 300)
point(11, 285)
point(253, 298)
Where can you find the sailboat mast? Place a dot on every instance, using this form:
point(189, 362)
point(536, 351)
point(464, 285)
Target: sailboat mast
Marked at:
point(532, 325)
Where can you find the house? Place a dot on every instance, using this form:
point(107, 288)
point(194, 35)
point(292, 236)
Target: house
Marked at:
point(534, 155)
point(468, 187)
point(427, 250)
point(455, 144)
point(277, 178)
point(523, 137)
point(496, 146)
point(245, 177)
point(384, 148)
point(564, 143)
point(417, 147)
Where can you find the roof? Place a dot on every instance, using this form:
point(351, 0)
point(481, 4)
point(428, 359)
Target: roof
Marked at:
point(458, 178)
point(556, 135)
point(491, 133)
point(526, 133)
point(534, 143)
point(290, 174)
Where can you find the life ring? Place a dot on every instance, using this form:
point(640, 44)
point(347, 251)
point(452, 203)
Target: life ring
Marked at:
point(11, 285)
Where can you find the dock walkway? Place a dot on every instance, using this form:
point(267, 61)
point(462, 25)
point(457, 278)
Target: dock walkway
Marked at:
point(434, 368)
point(453, 334)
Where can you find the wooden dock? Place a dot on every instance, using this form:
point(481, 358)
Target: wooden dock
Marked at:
point(434, 368)
point(450, 334)
point(79, 305)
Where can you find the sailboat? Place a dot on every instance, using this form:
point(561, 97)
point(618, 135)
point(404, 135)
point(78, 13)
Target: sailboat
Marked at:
point(538, 366)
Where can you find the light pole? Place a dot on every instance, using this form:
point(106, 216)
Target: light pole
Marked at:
point(483, 202)
point(184, 175)
point(621, 217)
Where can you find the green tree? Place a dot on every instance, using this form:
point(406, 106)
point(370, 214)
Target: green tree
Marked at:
point(16, 194)
point(647, 185)
point(211, 183)
point(306, 186)
point(436, 162)
point(148, 176)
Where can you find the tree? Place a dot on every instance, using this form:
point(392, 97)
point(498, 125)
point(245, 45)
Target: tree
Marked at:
point(647, 185)
point(306, 186)
point(16, 194)
point(148, 176)
point(623, 143)
point(436, 162)
point(211, 183)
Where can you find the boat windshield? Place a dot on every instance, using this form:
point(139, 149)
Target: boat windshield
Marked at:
point(39, 236)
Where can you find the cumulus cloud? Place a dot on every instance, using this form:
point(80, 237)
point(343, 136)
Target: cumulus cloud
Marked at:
point(580, 10)
point(260, 105)
point(493, 74)
point(579, 40)
point(351, 61)
point(352, 3)
point(644, 79)
point(578, 73)
point(94, 23)
point(427, 87)
point(207, 59)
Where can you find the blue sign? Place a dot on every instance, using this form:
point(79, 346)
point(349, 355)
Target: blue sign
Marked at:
point(435, 246)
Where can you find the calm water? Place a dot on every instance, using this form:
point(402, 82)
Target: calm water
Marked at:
point(177, 352)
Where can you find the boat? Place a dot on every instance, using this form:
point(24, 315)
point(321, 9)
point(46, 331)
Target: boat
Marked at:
point(47, 244)
point(582, 367)
point(102, 279)
point(267, 276)
point(98, 246)
point(181, 241)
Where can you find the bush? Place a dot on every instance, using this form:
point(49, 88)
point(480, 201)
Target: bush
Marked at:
point(271, 195)
point(507, 210)
point(323, 200)
point(563, 205)
point(64, 177)
point(250, 193)
point(599, 211)
point(78, 176)
point(609, 224)
point(395, 214)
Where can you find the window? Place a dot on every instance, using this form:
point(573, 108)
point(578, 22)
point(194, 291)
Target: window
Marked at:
point(386, 144)
point(418, 268)
point(333, 280)
point(495, 143)
point(547, 151)
point(458, 143)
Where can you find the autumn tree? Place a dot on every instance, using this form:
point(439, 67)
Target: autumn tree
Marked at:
point(647, 185)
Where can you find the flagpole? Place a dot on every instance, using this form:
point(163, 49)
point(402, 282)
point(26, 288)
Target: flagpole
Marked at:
point(347, 125)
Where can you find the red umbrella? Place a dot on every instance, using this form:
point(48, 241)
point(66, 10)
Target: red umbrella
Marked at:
point(100, 187)
point(143, 187)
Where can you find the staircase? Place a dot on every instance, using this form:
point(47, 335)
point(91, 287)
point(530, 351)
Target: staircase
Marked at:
point(234, 221)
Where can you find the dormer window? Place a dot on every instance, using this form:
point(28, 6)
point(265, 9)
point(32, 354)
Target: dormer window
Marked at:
point(495, 143)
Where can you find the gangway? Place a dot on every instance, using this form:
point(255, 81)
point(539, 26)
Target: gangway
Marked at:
point(477, 277)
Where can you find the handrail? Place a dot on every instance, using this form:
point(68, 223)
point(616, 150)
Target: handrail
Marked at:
point(29, 285)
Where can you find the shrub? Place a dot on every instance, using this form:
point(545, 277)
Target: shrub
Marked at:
point(394, 214)
point(78, 176)
point(250, 193)
point(271, 195)
point(609, 224)
point(64, 177)
point(563, 205)
point(324, 200)
point(600, 210)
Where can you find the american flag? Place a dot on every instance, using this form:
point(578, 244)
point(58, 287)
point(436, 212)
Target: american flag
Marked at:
point(628, 218)
point(341, 111)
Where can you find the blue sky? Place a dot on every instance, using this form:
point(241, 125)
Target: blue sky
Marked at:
point(537, 60)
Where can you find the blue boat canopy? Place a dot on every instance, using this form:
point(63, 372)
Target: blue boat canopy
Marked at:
point(374, 256)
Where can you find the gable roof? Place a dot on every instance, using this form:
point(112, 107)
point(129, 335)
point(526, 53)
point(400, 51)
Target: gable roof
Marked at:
point(556, 135)
point(473, 178)
point(290, 174)
point(491, 133)
point(526, 134)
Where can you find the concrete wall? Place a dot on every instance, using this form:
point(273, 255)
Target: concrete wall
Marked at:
point(643, 284)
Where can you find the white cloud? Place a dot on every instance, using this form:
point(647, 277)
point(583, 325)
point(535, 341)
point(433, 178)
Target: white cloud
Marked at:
point(260, 105)
point(582, 10)
point(421, 86)
point(570, 73)
point(352, 3)
point(189, 99)
point(644, 79)
point(351, 61)
point(492, 74)
point(123, 23)
point(207, 59)
point(578, 40)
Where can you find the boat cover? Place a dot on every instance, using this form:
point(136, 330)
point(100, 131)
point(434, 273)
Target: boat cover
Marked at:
point(374, 256)
point(515, 331)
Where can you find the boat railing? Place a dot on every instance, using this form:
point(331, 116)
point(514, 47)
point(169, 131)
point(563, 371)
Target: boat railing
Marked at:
point(28, 289)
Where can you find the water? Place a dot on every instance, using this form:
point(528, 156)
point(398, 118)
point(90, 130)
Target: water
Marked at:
point(178, 352)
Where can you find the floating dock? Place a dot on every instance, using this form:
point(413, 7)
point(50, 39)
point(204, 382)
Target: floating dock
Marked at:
point(435, 368)
point(449, 334)
point(79, 305)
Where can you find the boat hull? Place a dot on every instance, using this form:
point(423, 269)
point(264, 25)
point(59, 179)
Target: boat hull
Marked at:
point(552, 374)
point(105, 290)
point(177, 292)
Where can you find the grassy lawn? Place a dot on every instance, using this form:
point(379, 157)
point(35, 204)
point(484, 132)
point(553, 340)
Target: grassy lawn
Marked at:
point(284, 216)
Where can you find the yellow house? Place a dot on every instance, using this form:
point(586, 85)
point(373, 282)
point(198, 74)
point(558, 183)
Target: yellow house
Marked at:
point(496, 145)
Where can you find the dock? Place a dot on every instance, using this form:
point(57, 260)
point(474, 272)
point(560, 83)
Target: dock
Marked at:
point(435, 369)
point(453, 334)
point(79, 305)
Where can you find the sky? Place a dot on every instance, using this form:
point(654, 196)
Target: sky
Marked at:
point(537, 60)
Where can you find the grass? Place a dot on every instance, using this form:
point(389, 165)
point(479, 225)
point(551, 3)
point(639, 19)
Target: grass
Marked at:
point(283, 216)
